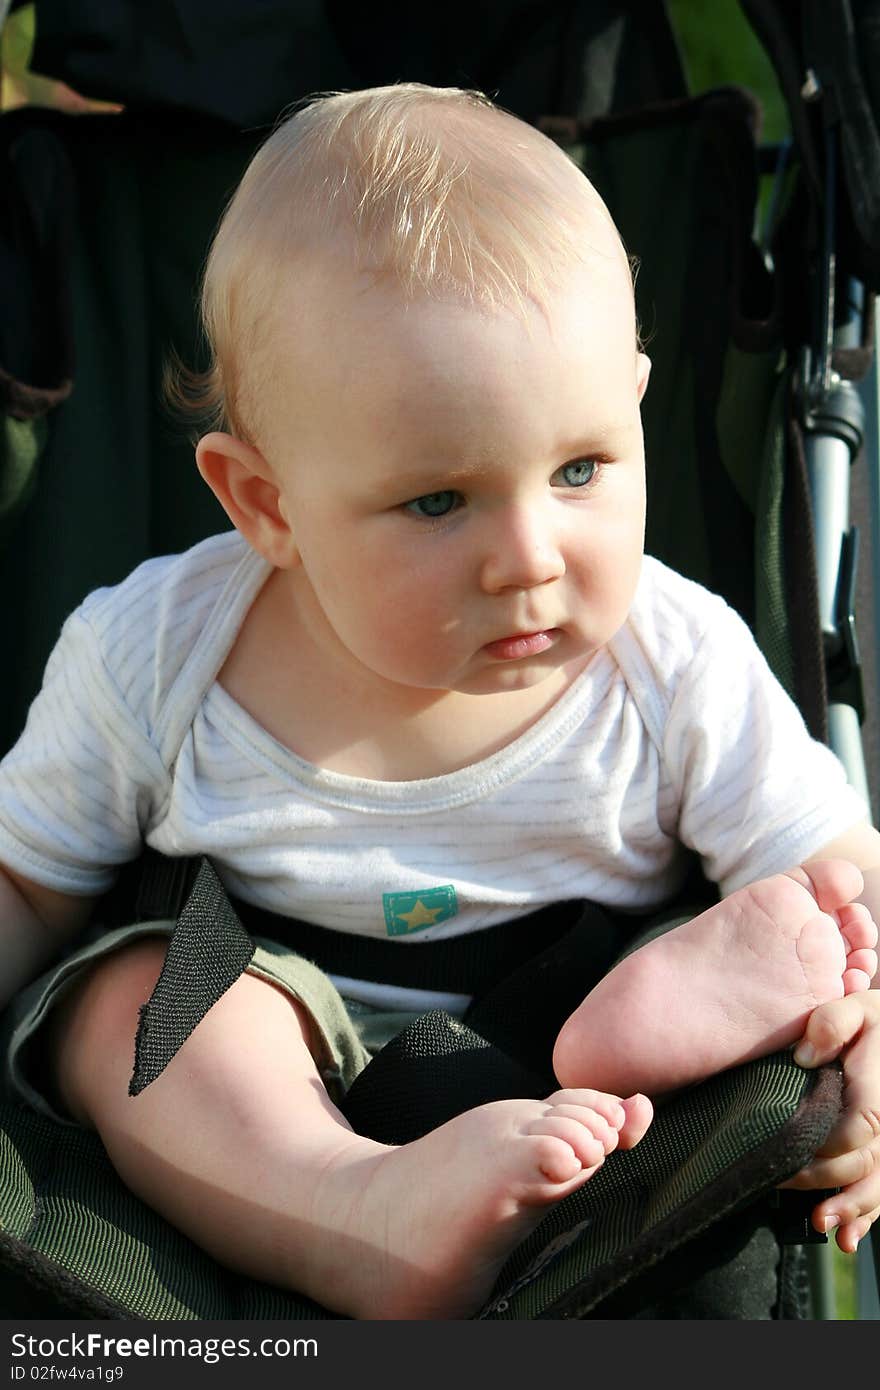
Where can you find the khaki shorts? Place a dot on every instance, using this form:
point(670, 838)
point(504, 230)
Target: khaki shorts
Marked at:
point(347, 1033)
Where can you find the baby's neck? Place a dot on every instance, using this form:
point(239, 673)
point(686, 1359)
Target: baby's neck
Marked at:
point(362, 728)
point(453, 732)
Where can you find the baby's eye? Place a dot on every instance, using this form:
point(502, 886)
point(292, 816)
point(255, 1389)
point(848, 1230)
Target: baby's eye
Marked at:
point(433, 504)
point(575, 474)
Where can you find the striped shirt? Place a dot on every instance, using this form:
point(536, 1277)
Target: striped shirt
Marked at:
point(676, 734)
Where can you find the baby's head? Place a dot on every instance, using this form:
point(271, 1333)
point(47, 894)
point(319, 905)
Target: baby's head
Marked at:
point(425, 387)
point(434, 191)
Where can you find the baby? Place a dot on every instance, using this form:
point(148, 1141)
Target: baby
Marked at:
point(427, 684)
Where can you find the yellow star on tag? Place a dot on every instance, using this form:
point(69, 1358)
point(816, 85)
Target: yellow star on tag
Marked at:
point(420, 916)
point(418, 909)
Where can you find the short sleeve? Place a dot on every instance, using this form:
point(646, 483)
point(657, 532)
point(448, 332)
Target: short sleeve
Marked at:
point(757, 794)
point(81, 783)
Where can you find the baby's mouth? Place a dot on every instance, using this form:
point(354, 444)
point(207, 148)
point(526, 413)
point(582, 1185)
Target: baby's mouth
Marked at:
point(523, 644)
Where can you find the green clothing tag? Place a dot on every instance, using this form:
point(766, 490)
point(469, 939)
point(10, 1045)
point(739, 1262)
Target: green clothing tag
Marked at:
point(410, 912)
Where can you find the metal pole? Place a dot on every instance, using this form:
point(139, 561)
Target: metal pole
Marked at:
point(870, 393)
point(869, 1249)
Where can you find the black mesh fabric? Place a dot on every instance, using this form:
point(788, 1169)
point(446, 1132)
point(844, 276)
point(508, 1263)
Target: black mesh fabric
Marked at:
point(435, 1069)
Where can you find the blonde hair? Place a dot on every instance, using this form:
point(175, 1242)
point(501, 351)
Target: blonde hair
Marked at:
point(436, 188)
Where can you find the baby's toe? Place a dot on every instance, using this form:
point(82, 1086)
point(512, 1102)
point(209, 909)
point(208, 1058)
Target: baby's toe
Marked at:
point(561, 1156)
point(599, 1124)
point(611, 1108)
point(590, 1142)
point(857, 926)
point(833, 882)
point(861, 967)
point(639, 1115)
point(573, 1123)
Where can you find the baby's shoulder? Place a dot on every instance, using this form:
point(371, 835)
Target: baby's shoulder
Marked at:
point(154, 623)
point(164, 591)
point(674, 628)
point(673, 616)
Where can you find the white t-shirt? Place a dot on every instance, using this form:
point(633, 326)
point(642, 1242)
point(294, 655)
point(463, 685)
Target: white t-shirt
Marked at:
point(675, 734)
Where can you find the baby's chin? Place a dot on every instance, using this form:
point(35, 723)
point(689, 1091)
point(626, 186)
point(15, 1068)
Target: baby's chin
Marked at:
point(512, 677)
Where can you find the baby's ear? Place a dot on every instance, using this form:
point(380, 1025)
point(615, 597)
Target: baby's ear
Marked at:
point(643, 371)
point(243, 483)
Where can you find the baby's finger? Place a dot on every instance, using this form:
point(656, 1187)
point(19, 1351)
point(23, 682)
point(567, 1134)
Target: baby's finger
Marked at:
point(833, 1026)
point(850, 1216)
point(857, 1129)
point(849, 1235)
point(838, 1170)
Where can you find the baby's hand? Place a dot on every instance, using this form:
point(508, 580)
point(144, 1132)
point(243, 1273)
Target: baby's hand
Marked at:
point(848, 1028)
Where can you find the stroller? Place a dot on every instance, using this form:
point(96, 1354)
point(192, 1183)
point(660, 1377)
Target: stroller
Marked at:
point(753, 422)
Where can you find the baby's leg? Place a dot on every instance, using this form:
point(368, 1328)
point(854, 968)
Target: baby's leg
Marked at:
point(735, 983)
point(238, 1144)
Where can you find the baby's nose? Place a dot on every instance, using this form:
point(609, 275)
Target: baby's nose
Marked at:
point(524, 553)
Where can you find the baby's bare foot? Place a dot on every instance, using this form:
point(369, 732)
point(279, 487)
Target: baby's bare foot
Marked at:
point(736, 983)
point(421, 1231)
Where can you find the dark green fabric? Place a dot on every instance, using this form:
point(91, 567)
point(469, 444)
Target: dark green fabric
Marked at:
point(21, 444)
point(587, 57)
point(116, 480)
point(708, 1153)
point(728, 497)
point(61, 1197)
point(713, 412)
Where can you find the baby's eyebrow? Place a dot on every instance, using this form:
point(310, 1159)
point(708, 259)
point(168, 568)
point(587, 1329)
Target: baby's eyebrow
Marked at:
point(436, 473)
point(433, 476)
point(596, 441)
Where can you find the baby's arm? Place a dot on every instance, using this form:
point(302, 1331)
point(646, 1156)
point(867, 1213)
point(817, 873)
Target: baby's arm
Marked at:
point(35, 923)
point(849, 1028)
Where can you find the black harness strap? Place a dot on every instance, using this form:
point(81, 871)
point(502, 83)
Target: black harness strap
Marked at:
point(207, 953)
point(212, 945)
point(470, 964)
